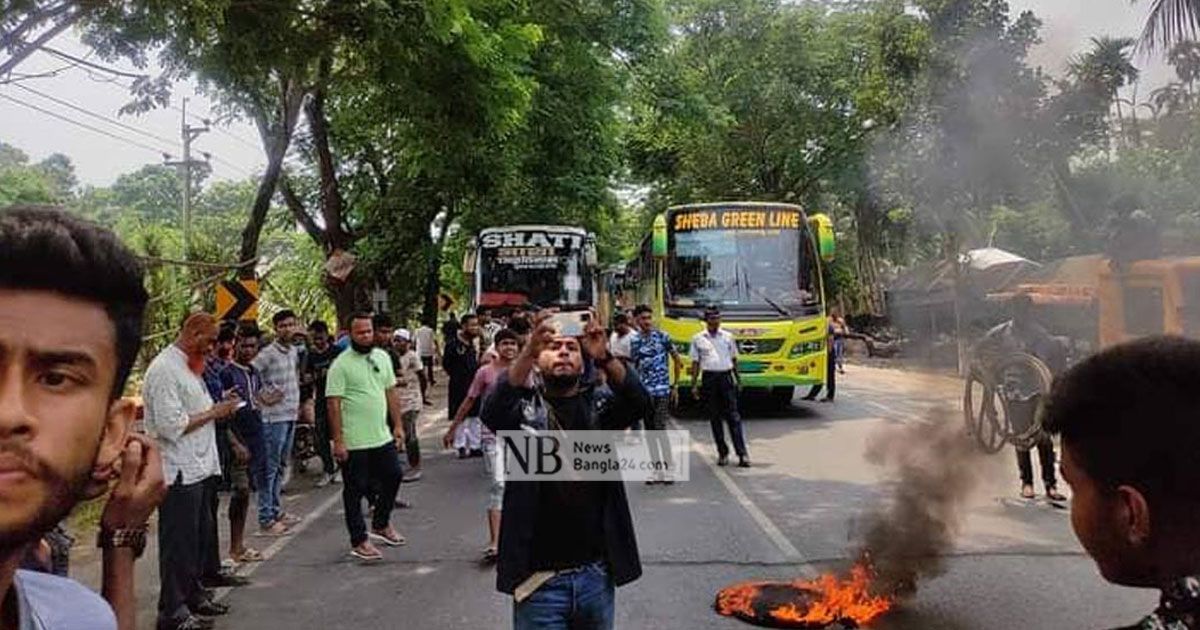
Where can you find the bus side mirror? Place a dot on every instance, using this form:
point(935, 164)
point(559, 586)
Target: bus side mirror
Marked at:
point(658, 239)
point(822, 229)
point(468, 265)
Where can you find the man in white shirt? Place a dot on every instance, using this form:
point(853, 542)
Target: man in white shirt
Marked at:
point(180, 415)
point(621, 338)
point(714, 362)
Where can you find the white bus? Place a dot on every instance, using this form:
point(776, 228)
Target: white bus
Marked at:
point(532, 266)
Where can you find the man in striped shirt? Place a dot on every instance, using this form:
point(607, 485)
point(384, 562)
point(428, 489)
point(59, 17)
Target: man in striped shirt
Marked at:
point(278, 365)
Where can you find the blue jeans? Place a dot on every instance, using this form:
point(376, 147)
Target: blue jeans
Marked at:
point(579, 599)
point(277, 436)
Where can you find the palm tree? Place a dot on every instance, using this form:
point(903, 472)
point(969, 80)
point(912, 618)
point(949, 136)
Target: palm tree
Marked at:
point(1170, 22)
point(1107, 68)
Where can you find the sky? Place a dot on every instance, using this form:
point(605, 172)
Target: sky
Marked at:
point(237, 152)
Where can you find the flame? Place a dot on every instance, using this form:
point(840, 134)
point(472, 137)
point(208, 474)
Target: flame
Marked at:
point(829, 598)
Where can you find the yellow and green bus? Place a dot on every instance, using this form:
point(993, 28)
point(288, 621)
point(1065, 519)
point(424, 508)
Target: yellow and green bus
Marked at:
point(760, 263)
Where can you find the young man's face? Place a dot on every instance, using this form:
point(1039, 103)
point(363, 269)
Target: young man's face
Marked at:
point(225, 349)
point(247, 349)
point(402, 345)
point(714, 321)
point(562, 357)
point(1102, 524)
point(285, 330)
point(58, 422)
point(508, 349)
point(471, 328)
point(645, 321)
point(320, 341)
point(383, 336)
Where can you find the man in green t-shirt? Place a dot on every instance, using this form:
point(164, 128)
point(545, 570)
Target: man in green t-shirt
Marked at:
point(361, 391)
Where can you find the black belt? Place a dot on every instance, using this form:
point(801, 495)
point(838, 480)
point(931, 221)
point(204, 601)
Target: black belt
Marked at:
point(718, 371)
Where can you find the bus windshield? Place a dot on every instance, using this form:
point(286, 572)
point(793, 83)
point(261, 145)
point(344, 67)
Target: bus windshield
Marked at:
point(744, 269)
point(534, 269)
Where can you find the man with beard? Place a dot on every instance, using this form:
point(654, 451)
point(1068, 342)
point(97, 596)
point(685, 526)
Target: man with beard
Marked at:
point(180, 414)
point(278, 365)
point(460, 361)
point(71, 308)
point(1130, 460)
point(564, 545)
point(361, 390)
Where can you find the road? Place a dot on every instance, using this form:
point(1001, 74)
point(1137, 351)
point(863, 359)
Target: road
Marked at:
point(1013, 565)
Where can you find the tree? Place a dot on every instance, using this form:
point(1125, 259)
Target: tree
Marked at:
point(20, 182)
point(27, 25)
point(1170, 22)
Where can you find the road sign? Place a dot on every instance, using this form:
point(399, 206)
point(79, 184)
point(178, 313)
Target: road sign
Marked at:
point(237, 299)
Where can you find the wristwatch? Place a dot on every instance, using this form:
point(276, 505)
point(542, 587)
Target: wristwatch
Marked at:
point(131, 537)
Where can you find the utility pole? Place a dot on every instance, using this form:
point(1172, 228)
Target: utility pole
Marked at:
point(189, 133)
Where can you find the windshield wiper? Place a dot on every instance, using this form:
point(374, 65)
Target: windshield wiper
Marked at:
point(759, 293)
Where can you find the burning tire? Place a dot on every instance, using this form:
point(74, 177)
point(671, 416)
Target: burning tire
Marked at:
point(819, 603)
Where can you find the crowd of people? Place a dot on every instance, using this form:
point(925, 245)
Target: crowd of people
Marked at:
point(223, 406)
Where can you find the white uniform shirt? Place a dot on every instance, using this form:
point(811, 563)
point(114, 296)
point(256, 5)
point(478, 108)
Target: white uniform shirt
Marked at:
point(716, 353)
point(171, 393)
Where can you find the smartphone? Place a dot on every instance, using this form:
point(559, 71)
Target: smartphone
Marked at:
point(571, 323)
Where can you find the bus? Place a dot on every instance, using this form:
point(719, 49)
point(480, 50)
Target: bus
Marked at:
point(532, 267)
point(760, 263)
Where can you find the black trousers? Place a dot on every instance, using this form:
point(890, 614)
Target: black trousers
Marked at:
point(1045, 449)
point(182, 520)
point(721, 393)
point(210, 544)
point(373, 474)
point(324, 439)
point(428, 363)
point(830, 379)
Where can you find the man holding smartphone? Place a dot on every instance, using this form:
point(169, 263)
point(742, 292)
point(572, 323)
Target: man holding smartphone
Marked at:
point(565, 545)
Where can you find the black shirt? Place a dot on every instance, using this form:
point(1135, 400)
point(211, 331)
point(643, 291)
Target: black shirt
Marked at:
point(568, 529)
point(460, 362)
point(318, 366)
point(526, 511)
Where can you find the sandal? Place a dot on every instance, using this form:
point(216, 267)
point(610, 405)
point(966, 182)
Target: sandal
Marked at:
point(490, 554)
point(1053, 494)
point(249, 555)
point(1027, 491)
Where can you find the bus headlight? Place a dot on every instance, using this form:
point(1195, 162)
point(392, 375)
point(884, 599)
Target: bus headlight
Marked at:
point(806, 347)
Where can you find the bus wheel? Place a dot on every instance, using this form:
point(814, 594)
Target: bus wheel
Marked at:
point(782, 396)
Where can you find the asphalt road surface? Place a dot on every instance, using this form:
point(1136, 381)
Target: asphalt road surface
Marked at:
point(795, 512)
